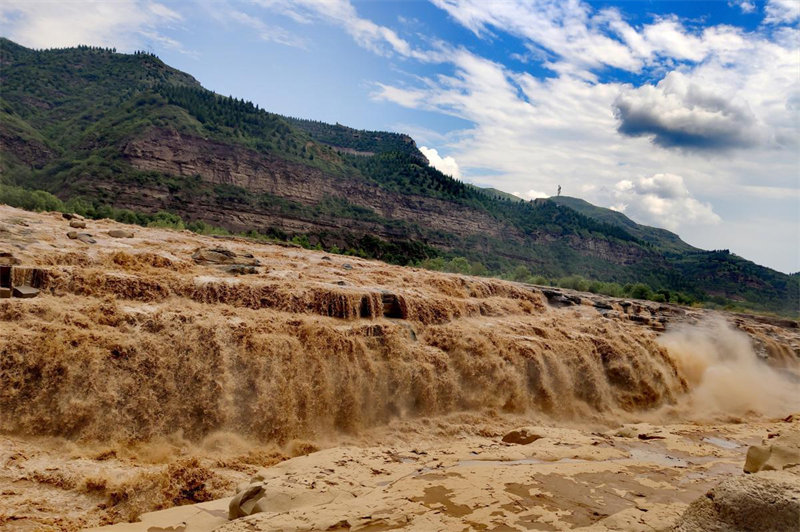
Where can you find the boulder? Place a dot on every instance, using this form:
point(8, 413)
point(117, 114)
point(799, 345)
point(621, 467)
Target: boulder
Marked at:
point(521, 437)
point(214, 256)
point(5, 292)
point(768, 501)
point(120, 233)
point(25, 291)
point(223, 256)
point(77, 224)
point(240, 269)
point(243, 503)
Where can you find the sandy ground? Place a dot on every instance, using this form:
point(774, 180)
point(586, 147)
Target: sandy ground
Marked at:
point(631, 477)
point(568, 479)
point(366, 396)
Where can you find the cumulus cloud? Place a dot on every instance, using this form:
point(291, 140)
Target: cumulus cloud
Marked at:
point(662, 200)
point(678, 113)
point(446, 165)
point(124, 24)
point(782, 11)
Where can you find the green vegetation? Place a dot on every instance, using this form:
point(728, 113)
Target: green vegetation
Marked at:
point(339, 136)
point(67, 117)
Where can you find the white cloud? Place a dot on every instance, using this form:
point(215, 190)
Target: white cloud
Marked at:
point(575, 39)
point(662, 200)
point(374, 37)
point(124, 24)
point(782, 11)
point(531, 194)
point(446, 165)
point(565, 28)
point(745, 5)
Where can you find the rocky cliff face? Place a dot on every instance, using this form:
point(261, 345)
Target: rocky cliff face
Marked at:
point(172, 153)
point(27, 151)
point(437, 221)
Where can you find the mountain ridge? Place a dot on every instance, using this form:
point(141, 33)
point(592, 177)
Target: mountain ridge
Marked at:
point(130, 132)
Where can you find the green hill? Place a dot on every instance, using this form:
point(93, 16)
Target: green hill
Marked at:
point(661, 238)
point(127, 136)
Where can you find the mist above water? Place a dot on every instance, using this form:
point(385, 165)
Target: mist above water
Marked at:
point(726, 376)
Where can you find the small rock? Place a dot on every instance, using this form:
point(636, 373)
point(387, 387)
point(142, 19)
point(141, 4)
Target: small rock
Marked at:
point(223, 256)
point(521, 437)
point(782, 452)
point(120, 233)
point(347, 266)
point(72, 235)
point(240, 269)
point(341, 283)
point(626, 432)
point(5, 293)
point(562, 301)
point(25, 291)
point(77, 224)
point(326, 258)
point(646, 437)
point(67, 215)
point(86, 238)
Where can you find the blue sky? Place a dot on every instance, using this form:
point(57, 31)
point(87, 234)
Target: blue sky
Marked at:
point(683, 115)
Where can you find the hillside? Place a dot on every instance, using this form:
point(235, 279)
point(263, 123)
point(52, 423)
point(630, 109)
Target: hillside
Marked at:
point(127, 136)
